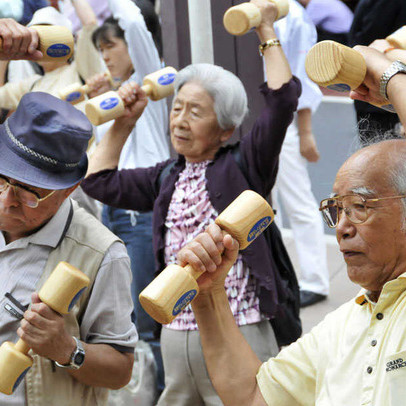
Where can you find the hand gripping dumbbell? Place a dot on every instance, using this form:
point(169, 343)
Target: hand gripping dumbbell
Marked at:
point(60, 292)
point(55, 42)
point(75, 93)
point(398, 38)
point(109, 105)
point(175, 287)
point(238, 20)
point(337, 67)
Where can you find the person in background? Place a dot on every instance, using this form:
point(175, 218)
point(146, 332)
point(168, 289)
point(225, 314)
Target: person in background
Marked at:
point(332, 19)
point(129, 52)
point(293, 187)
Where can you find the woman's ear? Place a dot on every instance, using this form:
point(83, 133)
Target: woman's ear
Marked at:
point(225, 136)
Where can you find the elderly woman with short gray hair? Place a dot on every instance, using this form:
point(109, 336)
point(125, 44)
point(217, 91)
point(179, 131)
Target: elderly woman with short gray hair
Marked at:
point(187, 194)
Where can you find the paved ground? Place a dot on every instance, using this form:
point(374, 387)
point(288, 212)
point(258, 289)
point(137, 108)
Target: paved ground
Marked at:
point(341, 288)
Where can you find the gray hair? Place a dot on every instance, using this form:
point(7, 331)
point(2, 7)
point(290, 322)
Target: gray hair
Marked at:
point(227, 91)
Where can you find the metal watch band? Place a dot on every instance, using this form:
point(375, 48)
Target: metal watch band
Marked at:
point(394, 68)
point(270, 43)
point(77, 357)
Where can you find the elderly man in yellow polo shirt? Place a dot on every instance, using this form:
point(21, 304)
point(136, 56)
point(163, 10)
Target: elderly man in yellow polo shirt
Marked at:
point(357, 354)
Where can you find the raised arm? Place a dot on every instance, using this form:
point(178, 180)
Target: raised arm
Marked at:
point(377, 63)
point(231, 363)
point(84, 12)
point(141, 46)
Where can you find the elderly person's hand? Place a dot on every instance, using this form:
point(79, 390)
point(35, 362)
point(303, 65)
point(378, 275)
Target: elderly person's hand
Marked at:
point(45, 333)
point(213, 252)
point(376, 63)
point(135, 101)
point(17, 41)
point(269, 13)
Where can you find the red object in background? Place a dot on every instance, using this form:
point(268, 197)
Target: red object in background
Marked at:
point(54, 3)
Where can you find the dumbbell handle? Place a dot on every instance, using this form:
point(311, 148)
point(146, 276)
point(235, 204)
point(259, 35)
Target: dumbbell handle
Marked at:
point(22, 346)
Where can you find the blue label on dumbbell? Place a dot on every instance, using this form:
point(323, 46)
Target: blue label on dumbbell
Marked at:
point(58, 50)
point(75, 299)
point(339, 87)
point(73, 96)
point(109, 103)
point(184, 300)
point(19, 379)
point(258, 228)
point(166, 79)
point(389, 107)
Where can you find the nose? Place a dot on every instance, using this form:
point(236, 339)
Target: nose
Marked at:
point(179, 119)
point(105, 55)
point(345, 228)
point(8, 197)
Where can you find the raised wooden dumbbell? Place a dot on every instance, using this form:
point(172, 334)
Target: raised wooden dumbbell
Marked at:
point(175, 287)
point(398, 38)
point(76, 92)
point(55, 42)
point(109, 105)
point(238, 20)
point(60, 292)
point(337, 67)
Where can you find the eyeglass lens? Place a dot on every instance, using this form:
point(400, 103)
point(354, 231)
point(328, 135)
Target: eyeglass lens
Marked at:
point(22, 195)
point(353, 206)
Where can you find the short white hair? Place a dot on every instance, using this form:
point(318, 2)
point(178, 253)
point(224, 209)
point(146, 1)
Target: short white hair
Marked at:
point(226, 89)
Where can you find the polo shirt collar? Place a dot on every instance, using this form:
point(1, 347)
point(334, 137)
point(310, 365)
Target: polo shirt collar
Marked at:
point(362, 296)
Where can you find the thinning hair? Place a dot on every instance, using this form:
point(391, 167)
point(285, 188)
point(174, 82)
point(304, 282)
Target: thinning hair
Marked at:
point(227, 91)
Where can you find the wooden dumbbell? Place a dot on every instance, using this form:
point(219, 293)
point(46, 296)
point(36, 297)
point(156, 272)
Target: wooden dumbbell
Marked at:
point(76, 92)
point(55, 42)
point(398, 38)
point(109, 105)
point(175, 287)
point(60, 292)
point(337, 67)
point(238, 20)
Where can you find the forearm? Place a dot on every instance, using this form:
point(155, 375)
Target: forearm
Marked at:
point(231, 363)
point(107, 153)
point(104, 367)
point(304, 121)
point(277, 68)
point(84, 12)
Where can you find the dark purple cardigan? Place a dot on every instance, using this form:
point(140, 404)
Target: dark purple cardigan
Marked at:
point(139, 189)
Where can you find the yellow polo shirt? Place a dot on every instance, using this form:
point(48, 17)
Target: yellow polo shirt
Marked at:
point(355, 356)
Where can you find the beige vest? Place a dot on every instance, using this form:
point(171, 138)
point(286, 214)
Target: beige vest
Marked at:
point(84, 245)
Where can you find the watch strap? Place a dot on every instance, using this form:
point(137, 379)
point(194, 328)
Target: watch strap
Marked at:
point(78, 352)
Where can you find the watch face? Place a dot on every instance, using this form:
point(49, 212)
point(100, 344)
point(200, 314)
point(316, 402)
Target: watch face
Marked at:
point(79, 358)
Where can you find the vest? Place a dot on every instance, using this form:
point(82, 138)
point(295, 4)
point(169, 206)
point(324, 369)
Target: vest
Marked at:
point(83, 245)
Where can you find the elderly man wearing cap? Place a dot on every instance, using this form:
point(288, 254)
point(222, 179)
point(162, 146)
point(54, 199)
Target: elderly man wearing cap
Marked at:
point(43, 159)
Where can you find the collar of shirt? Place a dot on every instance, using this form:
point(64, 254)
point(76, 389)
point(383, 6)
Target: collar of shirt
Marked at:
point(48, 235)
point(396, 284)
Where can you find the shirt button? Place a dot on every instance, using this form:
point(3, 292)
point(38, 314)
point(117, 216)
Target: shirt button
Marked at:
point(373, 343)
point(369, 370)
point(379, 316)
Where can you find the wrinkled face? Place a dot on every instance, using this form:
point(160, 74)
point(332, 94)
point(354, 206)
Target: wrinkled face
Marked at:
point(18, 220)
point(115, 55)
point(195, 132)
point(374, 251)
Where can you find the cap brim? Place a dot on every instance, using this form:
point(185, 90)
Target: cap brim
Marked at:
point(13, 166)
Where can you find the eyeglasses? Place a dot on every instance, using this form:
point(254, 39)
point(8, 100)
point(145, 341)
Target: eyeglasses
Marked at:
point(355, 208)
point(23, 194)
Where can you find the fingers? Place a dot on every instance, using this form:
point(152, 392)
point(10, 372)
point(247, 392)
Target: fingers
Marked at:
point(18, 42)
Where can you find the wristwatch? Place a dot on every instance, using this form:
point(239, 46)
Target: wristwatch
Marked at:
point(394, 68)
point(76, 359)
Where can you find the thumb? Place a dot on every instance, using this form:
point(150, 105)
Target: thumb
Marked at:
point(35, 298)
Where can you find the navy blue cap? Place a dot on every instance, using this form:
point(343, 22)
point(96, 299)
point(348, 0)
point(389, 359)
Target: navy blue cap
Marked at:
point(44, 142)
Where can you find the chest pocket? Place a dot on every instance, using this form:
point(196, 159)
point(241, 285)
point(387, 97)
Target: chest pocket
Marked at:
point(11, 313)
point(396, 373)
